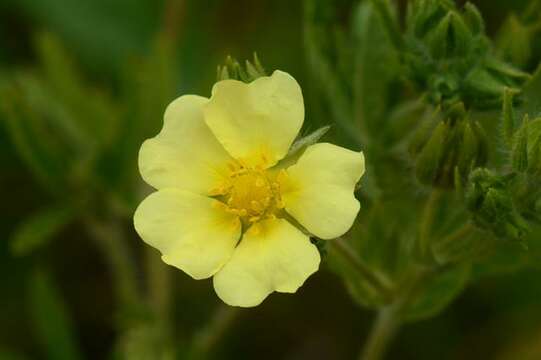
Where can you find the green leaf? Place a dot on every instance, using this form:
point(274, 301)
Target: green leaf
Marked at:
point(50, 319)
point(531, 96)
point(91, 111)
point(26, 129)
point(320, 42)
point(361, 291)
point(376, 67)
point(474, 19)
point(439, 290)
point(38, 229)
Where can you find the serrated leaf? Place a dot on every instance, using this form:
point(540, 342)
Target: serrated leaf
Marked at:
point(50, 319)
point(38, 229)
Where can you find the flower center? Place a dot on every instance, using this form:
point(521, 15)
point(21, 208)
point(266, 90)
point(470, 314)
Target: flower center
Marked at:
point(252, 194)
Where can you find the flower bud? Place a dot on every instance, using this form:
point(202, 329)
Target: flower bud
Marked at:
point(492, 207)
point(454, 147)
point(514, 41)
point(448, 56)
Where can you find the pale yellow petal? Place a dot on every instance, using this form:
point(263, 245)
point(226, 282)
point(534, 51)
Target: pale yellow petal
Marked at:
point(319, 188)
point(256, 122)
point(272, 256)
point(185, 154)
point(192, 232)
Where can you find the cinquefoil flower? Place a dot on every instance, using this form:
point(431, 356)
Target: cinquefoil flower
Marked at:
point(224, 199)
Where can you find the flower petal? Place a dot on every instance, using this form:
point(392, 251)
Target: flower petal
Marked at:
point(272, 256)
point(192, 232)
point(319, 189)
point(185, 154)
point(256, 122)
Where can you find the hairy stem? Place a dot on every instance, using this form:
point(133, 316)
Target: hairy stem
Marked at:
point(209, 335)
point(427, 221)
point(383, 330)
point(377, 281)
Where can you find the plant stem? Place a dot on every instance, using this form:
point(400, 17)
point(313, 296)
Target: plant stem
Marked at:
point(461, 232)
point(110, 240)
point(427, 221)
point(377, 281)
point(209, 335)
point(158, 286)
point(383, 330)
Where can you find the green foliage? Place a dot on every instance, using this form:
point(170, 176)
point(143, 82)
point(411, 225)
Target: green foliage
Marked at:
point(419, 262)
point(376, 69)
point(38, 229)
point(50, 319)
point(454, 147)
point(448, 56)
point(491, 203)
point(436, 292)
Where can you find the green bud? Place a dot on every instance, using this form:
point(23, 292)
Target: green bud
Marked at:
point(534, 148)
point(469, 149)
point(460, 36)
point(514, 41)
point(453, 149)
point(473, 19)
point(505, 72)
point(519, 156)
point(431, 156)
point(423, 13)
point(450, 37)
point(437, 39)
point(233, 70)
point(482, 88)
point(448, 56)
point(491, 205)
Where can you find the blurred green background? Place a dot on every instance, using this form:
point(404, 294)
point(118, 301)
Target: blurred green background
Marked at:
point(93, 78)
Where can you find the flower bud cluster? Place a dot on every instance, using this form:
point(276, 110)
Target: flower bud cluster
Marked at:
point(452, 149)
point(491, 203)
point(448, 55)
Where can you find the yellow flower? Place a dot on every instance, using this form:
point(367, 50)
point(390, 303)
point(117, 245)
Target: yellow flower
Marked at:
point(224, 199)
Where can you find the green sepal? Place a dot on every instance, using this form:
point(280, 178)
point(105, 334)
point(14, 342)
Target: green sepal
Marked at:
point(429, 159)
point(519, 156)
point(508, 115)
point(474, 19)
point(232, 69)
